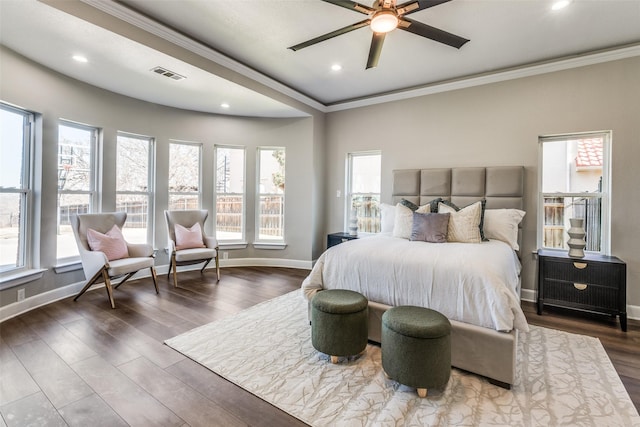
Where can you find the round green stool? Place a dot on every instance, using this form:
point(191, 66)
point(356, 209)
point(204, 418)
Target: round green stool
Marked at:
point(339, 323)
point(416, 347)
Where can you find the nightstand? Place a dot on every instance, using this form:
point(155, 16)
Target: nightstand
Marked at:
point(337, 238)
point(594, 284)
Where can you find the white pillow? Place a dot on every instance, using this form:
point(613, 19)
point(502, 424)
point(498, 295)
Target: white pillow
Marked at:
point(464, 225)
point(388, 216)
point(403, 221)
point(502, 224)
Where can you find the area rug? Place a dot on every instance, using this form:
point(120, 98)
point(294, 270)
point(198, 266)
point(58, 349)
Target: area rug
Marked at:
point(562, 378)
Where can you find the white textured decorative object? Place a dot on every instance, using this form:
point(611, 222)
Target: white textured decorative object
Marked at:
point(576, 240)
point(353, 224)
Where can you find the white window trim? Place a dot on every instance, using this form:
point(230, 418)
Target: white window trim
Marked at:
point(348, 182)
point(605, 195)
point(94, 199)
point(240, 243)
point(29, 227)
point(269, 243)
point(189, 193)
point(150, 193)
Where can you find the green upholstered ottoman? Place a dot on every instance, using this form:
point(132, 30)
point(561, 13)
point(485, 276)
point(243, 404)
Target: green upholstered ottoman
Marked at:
point(339, 323)
point(416, 347)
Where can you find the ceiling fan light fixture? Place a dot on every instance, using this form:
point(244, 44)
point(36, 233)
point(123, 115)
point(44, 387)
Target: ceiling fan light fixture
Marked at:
point(384, 21)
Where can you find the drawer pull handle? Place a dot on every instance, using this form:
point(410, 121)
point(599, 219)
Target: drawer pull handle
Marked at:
point(580, 286)
point(580, 265)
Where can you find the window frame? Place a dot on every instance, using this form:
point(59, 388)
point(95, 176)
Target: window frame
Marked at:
point(198, 193)
point(604, 194)
point(243, 222)
point(27, 224)
point(348, 200)
point(94, 191)
point(150, 193)
point(278, 243)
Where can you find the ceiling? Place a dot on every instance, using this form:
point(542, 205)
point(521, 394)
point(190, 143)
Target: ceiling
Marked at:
point(245, 43)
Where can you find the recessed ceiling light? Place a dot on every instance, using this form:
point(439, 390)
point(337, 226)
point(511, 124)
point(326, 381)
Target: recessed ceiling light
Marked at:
point(336, 67)
point(225, 105)
point(561, 4)
point(80, 58)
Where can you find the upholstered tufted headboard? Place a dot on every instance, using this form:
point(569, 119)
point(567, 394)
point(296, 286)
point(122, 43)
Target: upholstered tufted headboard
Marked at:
point(501, 186)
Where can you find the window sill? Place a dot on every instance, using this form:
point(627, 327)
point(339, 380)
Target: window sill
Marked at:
point(269, 245)
point(21, 278)
point(67, 267)
point(232, 245)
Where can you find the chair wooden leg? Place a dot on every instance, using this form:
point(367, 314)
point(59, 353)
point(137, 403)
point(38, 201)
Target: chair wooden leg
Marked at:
point(127, 277)
point(218, 264)
point(170, 266)
point(89, 283)
point(155, 280)
point(205, 265)
point(108, 287)
point(175, 273)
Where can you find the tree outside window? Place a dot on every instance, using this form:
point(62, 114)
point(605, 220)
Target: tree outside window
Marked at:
point(184, 175)
point(134, 192)
point(77, 166)
point(271, 192)
point(230, 193)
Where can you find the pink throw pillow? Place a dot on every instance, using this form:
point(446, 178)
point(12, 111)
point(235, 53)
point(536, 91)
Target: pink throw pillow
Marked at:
point(112, 243)
point(188, 238)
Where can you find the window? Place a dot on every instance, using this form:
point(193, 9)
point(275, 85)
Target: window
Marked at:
point(574, 183)
point(271, 181)
point(16, 143)
point(77, 166)
point(230, 193)
point(134, 185)
point(363, 190)
point(184, 175)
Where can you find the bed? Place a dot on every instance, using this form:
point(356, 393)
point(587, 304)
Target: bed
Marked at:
point(475, 283)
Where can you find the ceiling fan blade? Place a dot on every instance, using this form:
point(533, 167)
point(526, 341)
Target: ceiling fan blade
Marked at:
point(375, 49)
point(416, 5)
point(432, 33)
point(351, 5)
point(330, 35)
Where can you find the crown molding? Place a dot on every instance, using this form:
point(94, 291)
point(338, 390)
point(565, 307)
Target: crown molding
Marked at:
point(577, 61)
point(581, 60)
point(156, 28)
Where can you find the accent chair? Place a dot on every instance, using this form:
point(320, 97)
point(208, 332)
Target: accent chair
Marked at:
point(111, 257)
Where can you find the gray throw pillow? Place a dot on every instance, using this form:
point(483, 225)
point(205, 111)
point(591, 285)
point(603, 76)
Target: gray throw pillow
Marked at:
point(430, 227)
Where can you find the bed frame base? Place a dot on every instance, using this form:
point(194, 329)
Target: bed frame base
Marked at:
point(475, 349)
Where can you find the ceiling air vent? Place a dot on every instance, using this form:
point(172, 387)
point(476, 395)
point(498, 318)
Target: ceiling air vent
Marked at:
point(167, 73)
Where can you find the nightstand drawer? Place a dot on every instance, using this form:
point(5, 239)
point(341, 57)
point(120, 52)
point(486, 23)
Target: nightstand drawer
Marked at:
point(581, 295)
point(583, 272)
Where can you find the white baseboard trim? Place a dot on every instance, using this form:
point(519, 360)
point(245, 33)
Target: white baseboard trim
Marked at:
point(17, 308)
point(20, 307)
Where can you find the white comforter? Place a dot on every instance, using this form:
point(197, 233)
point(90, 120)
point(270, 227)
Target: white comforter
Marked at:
point(470, 282)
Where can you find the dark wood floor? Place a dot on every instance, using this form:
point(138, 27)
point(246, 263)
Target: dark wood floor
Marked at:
point(82, 363)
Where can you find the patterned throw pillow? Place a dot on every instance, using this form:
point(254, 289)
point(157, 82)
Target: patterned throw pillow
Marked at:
point(189, 238)
point(464, 225)
point(112, 243)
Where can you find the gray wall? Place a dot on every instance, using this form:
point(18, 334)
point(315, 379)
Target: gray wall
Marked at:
point(495, 124)
point(28, 85)
point(499, 124)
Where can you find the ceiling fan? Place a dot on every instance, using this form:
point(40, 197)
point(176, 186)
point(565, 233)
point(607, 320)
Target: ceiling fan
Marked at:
point(385, 16)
